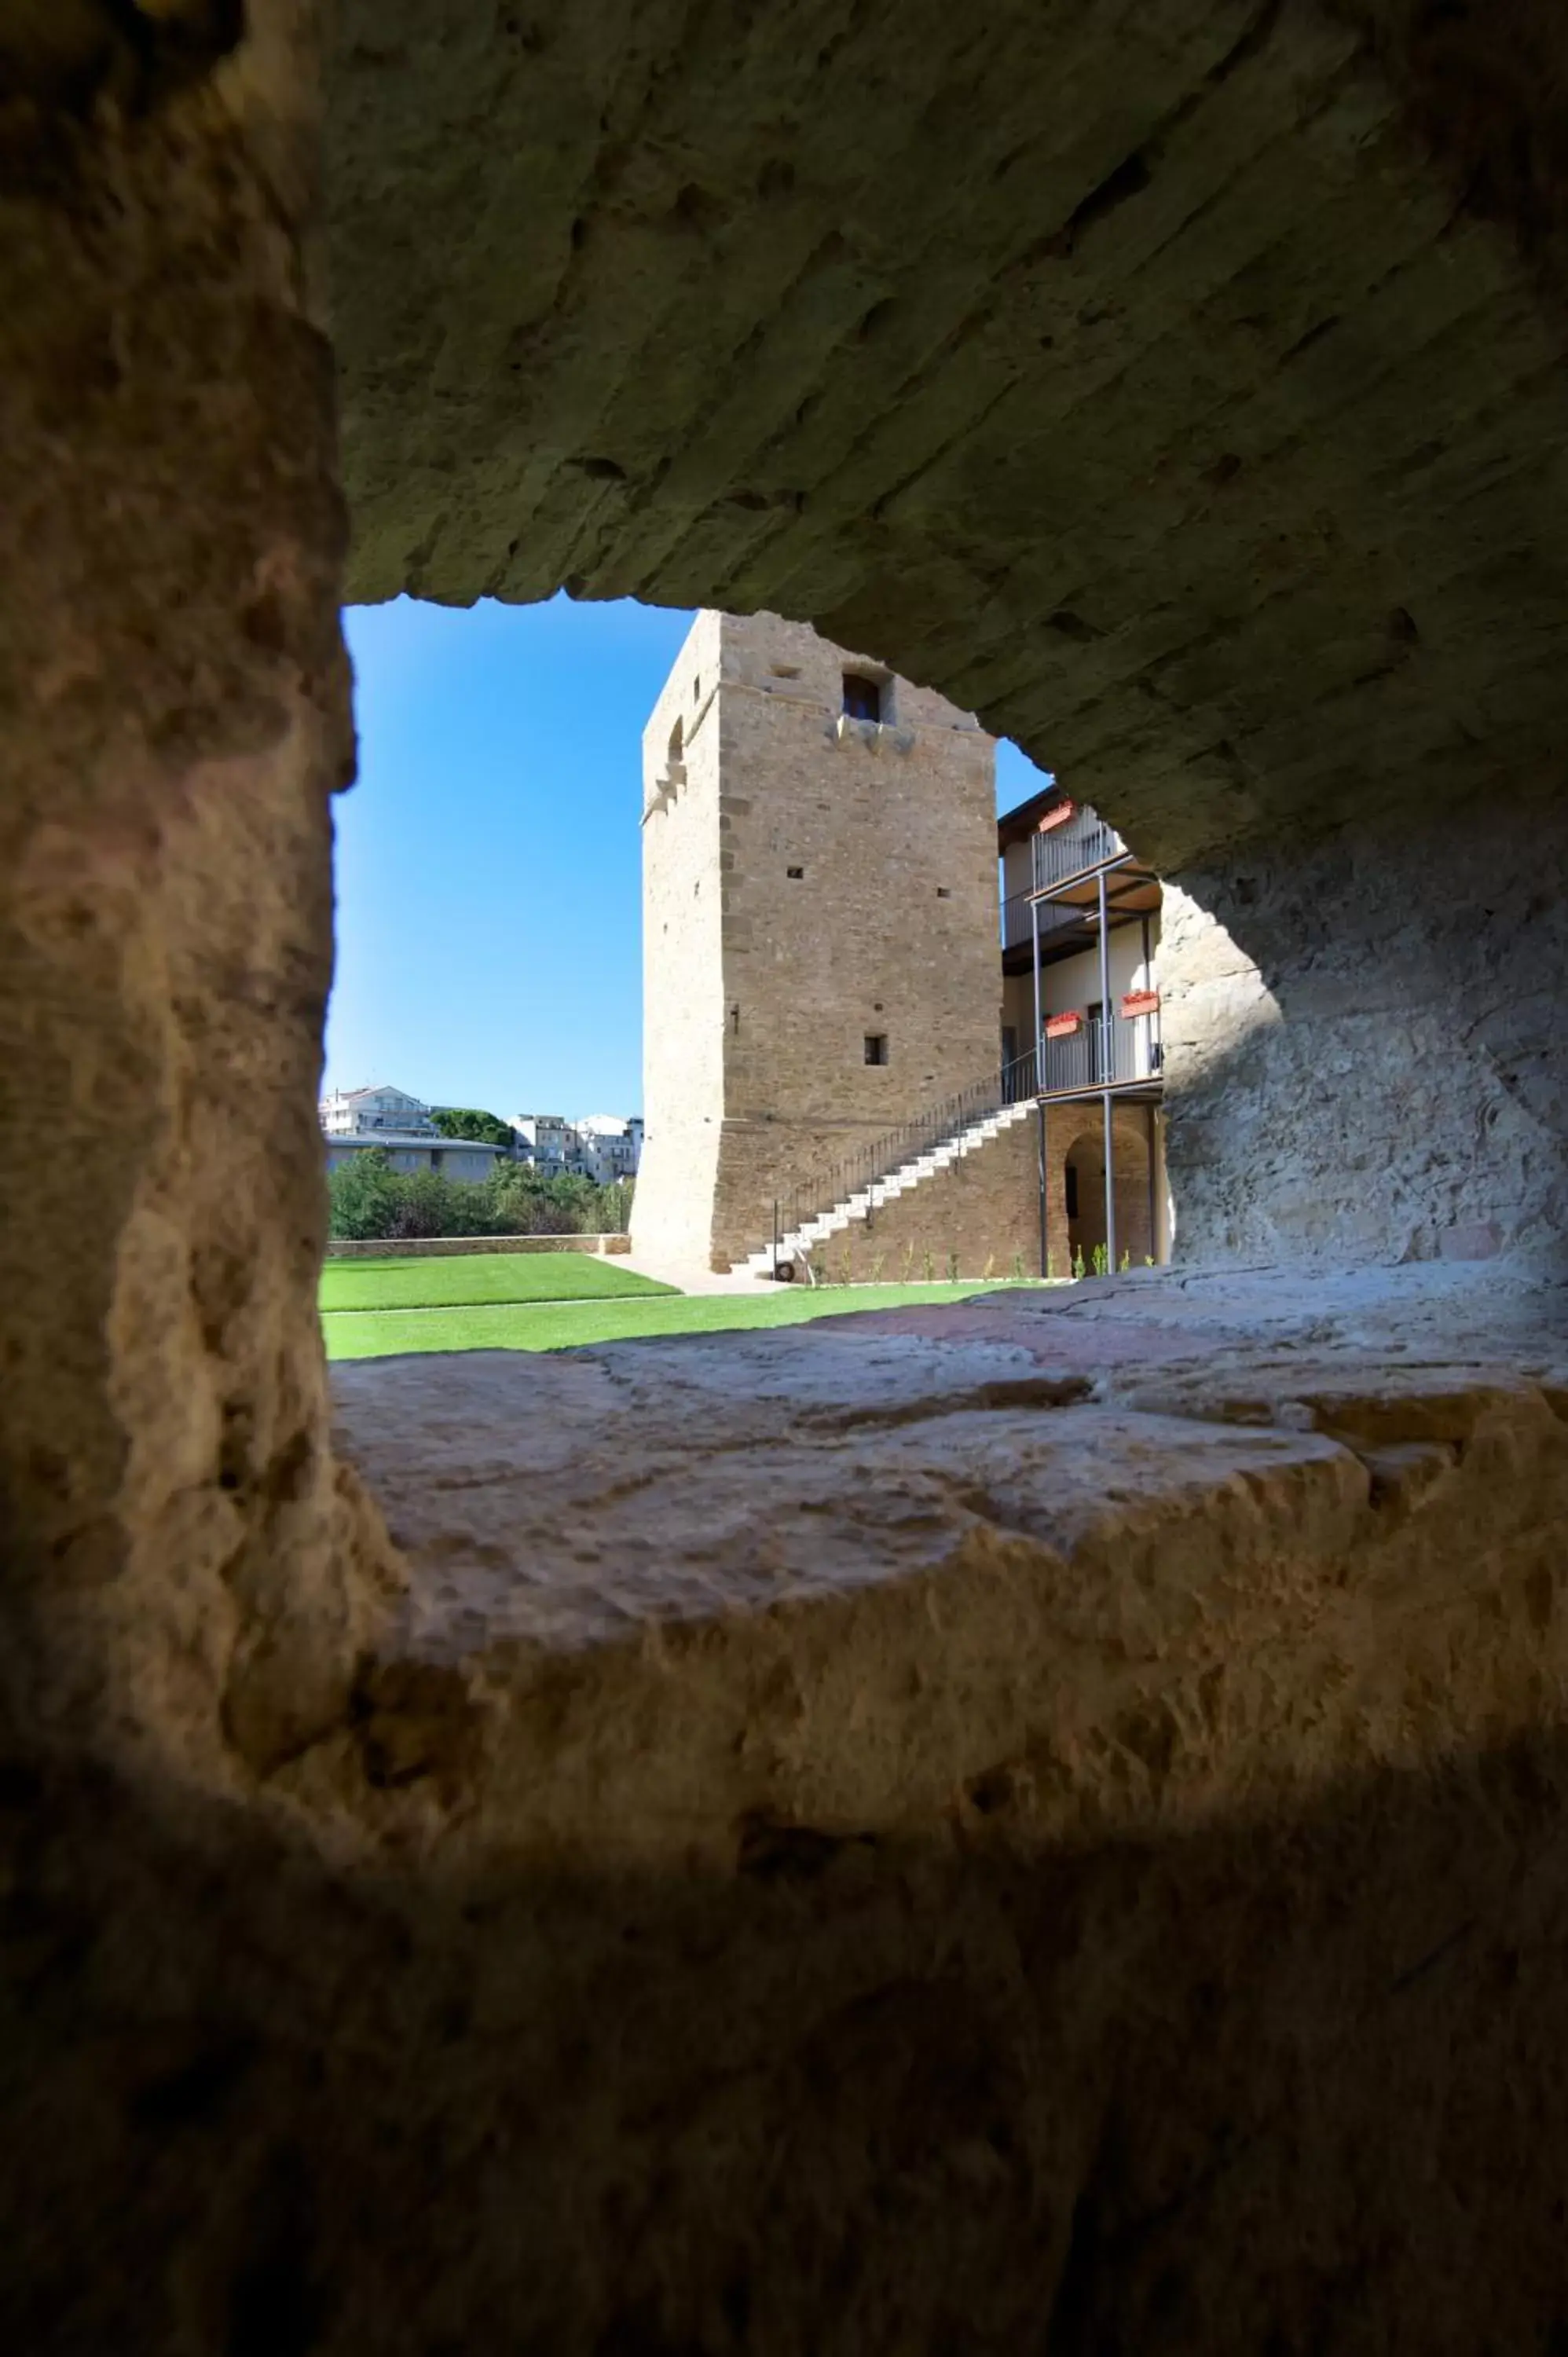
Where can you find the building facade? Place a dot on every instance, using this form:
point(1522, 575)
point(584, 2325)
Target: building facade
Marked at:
point(819, 924)
point(609, 1147)
point(353, 1121)
point(1080, 1030)
point(602, 1146)
point(359, 1112)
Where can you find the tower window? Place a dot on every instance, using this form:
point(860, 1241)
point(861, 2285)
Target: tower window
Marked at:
point(876, 1047)
point(862, 696)
point(944, 892)
point(794, 874)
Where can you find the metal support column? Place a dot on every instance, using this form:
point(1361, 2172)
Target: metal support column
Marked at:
point(1154, 1186)
point(1040, 1167)
point(1035, 972)
point(1107, 1073)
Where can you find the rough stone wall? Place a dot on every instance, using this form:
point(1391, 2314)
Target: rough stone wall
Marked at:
point(682, 960)
point(187, 1570)
point(871, 1849)
point(1364, 1052)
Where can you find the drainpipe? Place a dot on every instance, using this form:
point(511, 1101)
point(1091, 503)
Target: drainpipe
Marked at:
point(1107, 1057)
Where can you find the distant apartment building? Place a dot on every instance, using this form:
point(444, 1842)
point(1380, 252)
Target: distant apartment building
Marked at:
point(545, 1140)
point(600, 1146)
point(609, 1147)
point(355, 1120)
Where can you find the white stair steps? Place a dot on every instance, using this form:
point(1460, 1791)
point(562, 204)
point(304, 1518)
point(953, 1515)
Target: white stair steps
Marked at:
point(888, 1188)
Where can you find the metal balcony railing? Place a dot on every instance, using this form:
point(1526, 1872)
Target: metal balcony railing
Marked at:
point(1076, 849)
point(1016, 927)
point(1105, 1052)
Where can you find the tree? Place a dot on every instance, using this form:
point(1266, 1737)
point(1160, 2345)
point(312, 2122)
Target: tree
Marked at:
point(471, 1121)
point(424, 1206)
point(362, 1195)
point(526, 1202)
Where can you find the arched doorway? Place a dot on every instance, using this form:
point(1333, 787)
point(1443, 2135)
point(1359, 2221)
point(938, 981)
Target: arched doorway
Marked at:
point(1084, 1187)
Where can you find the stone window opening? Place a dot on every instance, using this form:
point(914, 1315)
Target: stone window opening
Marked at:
point(675, 760)
point(795, 874)
point(862, 696)
point(876, 1047)
point(289, 1695)
point(944, 891)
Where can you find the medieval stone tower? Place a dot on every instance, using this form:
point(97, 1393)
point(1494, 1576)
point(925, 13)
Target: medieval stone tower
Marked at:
point(820, 928)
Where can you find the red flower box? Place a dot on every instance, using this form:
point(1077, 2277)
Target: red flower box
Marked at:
point(1140, 1002)
point(1058, 817)
point(1062, 1026)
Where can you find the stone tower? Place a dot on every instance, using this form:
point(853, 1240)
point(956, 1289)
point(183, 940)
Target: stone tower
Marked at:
point(820, 926)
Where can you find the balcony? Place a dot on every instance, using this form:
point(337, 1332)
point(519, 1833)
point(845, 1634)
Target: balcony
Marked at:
point(1018, 930)
point(1114, 1051)
point(1081, 846)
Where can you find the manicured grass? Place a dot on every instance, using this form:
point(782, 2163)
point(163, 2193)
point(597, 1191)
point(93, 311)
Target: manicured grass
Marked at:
point(460, 1279)
point(380, 1334)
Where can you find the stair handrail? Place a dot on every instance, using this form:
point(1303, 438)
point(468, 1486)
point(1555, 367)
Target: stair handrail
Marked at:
point(1012, 1083)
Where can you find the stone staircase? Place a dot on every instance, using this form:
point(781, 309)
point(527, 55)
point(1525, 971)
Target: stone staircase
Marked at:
point(900, 1181)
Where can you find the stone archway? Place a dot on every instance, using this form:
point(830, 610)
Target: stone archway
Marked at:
point(1083, 1194)
point(1209, 444)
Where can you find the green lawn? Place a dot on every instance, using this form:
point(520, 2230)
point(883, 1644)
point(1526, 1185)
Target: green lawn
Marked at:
point(376, 1334)
point(465, 1278)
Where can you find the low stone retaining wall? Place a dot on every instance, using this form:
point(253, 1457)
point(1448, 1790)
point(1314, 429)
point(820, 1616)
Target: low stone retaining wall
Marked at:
point(438, 1247)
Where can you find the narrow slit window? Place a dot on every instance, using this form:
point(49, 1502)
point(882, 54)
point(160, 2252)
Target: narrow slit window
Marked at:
point(944, 891)
point(794, 874)
point(862, 696)
point(876, 1047)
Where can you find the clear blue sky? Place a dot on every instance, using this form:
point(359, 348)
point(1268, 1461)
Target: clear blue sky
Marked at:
point(488, 890)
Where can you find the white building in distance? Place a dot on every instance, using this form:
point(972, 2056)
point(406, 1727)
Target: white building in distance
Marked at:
point(353, 1120)
point(602, 1147)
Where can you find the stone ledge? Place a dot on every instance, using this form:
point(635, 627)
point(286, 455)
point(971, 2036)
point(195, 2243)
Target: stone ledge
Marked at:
point(1147, 1569)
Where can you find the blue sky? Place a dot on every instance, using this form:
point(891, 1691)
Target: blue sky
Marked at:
point(488, 889)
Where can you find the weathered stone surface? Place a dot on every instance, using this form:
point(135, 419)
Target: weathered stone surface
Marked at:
point(1143, 380)
point(1030, 1826)
point(1362, 1046)
point(187, 1570)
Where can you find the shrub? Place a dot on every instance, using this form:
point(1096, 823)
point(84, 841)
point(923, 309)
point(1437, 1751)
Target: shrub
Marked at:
point(362, 1194)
